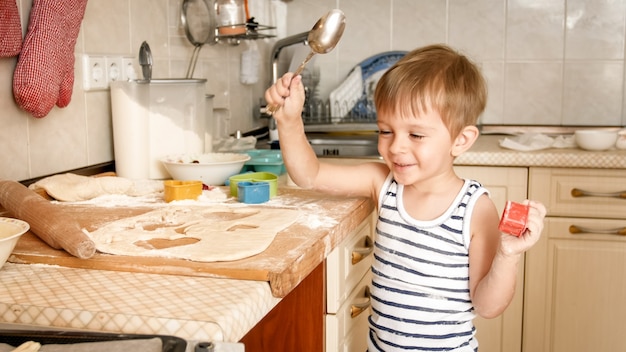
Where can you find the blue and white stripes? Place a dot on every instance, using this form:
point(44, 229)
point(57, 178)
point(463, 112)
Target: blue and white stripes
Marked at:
point(420, 289)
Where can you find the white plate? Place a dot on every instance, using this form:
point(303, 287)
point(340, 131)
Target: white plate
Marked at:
point(372, 69)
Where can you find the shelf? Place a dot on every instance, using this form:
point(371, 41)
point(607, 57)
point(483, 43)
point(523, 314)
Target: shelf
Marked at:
point(252, 33)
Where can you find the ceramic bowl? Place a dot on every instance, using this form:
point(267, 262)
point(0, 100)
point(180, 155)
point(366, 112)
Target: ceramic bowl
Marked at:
point(212, 169)
point(601, 139)
point(10, 232)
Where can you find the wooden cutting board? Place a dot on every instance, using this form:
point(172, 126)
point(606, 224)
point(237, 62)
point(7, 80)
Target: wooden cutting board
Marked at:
point(293, 254)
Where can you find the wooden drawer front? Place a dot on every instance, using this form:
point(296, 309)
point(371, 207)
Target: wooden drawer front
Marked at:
point(575, 288)
point(347, 330)
point(347, 264)
point(555, 188)
point(586, 229)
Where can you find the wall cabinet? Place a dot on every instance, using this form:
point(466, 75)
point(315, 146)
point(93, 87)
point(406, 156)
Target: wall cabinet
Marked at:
point(576, 274)
point(504, 333)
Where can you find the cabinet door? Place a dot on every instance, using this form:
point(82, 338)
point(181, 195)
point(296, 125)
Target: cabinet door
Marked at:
point(504, 333)
point(575, 288)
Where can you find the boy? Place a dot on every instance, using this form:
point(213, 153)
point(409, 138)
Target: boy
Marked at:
point(439, 258)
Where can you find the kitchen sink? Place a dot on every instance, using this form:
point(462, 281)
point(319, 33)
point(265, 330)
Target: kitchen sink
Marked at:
point(345, 145)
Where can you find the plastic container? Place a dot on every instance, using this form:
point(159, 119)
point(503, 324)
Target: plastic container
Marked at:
point(179, 190)
point(154, 119)
point(265, 160)
point(268, 177)
point(253, 192)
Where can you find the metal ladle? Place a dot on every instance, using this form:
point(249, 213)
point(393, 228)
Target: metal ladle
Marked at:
point(322, 38)
point(196, 18)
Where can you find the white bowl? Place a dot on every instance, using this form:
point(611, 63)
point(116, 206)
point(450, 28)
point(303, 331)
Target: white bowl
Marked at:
point(10, 232)
point(212, 168)
point(601, 139)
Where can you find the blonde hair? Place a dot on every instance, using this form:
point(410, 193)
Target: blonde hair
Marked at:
point(434, 77)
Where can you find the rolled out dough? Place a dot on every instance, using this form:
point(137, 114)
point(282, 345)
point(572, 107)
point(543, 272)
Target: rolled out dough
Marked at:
point(203, 234)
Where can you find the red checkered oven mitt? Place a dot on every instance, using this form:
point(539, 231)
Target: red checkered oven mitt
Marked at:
point(44, 75)
point(10, 29)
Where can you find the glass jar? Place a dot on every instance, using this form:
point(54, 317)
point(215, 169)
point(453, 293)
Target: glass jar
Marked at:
point(231, 17)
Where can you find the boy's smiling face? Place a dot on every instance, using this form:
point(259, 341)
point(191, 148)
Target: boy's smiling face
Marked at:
point(415, 148)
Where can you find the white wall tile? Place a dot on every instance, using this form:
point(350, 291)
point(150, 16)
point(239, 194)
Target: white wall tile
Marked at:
point(592, 93)
point(418, 23)
point(106, 27)
point(494, 75)
point(532, 93)
point(477, 27)
point(534, 29)
point(595, 29)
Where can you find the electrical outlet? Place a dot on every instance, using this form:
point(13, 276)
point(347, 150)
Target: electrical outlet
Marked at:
point(114, 69)
point(94, 73)
point(128, 69)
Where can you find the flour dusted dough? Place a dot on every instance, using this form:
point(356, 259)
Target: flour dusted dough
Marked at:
point(203, 234)
point(70, 187)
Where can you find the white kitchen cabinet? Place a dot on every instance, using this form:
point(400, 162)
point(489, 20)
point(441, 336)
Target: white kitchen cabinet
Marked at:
point(503, 333)
point(576, 274)
point(348, 277)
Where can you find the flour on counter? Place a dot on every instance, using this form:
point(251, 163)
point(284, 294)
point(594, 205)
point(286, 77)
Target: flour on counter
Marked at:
point(315, 220)
point(204, 234)
point(208, 197)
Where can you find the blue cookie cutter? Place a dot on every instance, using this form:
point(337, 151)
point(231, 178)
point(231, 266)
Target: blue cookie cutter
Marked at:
point(253, 192)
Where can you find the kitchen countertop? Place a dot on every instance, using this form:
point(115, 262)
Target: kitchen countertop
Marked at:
point(201, 305)
point(209, 308)
point(487, 152)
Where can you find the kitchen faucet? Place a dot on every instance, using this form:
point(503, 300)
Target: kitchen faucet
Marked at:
point(280, 45)
point(276, 49)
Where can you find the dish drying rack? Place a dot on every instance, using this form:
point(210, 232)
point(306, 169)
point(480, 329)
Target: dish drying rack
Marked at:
point(350, 107)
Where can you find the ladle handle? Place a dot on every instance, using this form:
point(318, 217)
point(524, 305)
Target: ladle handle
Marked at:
point(271, 109)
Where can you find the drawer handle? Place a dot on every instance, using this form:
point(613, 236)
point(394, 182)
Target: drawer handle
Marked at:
point(361, 304)
point(359, 253)
point(574, 229)
point(582, 193)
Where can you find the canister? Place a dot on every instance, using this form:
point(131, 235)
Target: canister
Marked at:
point(152, 119)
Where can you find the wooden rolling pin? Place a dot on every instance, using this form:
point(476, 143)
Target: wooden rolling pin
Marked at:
point(47, 221)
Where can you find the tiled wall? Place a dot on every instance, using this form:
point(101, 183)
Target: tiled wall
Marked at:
point(556, 62)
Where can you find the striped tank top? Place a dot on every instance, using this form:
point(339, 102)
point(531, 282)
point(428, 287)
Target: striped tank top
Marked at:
point(420, 287)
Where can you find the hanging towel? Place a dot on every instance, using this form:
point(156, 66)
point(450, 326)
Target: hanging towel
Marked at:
point(10, 29)
point(44, 75)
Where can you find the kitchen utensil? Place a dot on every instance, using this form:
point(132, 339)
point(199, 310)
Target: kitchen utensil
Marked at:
point(145, 60)
point(268, 177)
point(253, 192)
point(596, 139)
point(47, 221)
point(213, 169)
point(10, 232)
point(231, 17)
point(353, 99)
point(322, 38)
point(196, 19)
point(265, 160)
point(154, 119)
point(180, 190)
point(204, 347)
